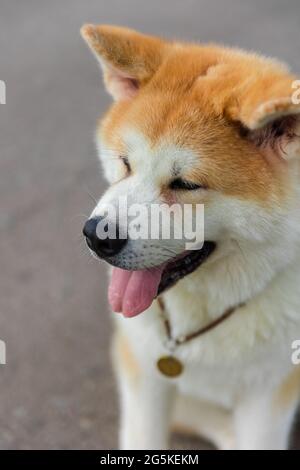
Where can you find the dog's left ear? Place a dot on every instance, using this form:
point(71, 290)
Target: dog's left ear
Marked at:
point(128, 59)
point(273, 124)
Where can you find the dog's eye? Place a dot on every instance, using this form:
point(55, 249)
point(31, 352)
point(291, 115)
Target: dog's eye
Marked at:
point(126, 163)
point(179, 183)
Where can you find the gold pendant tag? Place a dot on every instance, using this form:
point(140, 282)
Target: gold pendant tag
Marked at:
point(169, 366)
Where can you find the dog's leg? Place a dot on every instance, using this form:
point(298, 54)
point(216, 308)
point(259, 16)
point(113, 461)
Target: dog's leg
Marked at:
point(145, 414)
point(146, 402)
point(263, 420)
point(211, 422)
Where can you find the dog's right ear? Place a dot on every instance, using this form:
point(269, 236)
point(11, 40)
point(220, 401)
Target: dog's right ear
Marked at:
point(128, 59)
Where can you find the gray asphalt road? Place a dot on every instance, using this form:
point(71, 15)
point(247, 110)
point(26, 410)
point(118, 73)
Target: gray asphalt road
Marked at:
point(57, 390)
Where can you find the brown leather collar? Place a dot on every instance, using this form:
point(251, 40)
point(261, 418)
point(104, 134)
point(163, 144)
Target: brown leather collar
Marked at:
point(205, 329)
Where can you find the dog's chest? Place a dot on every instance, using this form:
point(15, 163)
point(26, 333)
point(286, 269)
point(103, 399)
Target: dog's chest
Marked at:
point(219, 363)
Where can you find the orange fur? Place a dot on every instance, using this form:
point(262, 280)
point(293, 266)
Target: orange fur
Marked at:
point(125, 357)
point(198, 97)
point(288, 392)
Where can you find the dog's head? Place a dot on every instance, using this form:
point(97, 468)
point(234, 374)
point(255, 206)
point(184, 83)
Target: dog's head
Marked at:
point(190, 125)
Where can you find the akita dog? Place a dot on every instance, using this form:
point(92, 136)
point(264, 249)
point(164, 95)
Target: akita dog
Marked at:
point(211, 352)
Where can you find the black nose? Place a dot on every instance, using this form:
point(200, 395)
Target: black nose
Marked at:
point(103, 247)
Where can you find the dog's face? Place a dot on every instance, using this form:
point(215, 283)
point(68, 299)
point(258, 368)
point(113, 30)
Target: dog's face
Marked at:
point(190, 125)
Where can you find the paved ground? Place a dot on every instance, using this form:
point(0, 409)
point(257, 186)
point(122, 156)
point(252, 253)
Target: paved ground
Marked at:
point(57, 390)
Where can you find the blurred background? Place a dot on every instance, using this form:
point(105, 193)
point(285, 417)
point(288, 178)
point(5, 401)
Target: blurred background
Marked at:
point(57, 390)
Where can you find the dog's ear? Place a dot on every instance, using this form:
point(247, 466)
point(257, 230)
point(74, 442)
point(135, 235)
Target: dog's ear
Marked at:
point(270, 118)
point(128, 59)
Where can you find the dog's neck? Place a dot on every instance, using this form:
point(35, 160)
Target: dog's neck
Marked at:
point(235, 274)
point(246, 269)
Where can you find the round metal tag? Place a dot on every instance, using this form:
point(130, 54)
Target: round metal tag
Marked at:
point(169, 366)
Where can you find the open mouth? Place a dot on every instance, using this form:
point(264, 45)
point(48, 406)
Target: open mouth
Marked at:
point(181, 267)
point(132, 292)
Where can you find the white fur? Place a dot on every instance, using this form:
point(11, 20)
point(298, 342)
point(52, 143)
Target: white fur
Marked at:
point(232, 373)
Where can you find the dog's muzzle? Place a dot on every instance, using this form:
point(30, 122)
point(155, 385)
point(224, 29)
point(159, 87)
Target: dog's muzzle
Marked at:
point(106, 247)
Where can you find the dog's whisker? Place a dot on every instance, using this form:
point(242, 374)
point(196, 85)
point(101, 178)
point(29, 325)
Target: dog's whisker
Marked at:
point(77, 216)
point(91, 196)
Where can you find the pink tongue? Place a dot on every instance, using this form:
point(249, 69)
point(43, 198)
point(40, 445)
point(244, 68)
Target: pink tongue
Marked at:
point(132, 292)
